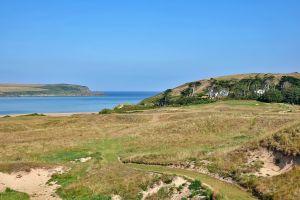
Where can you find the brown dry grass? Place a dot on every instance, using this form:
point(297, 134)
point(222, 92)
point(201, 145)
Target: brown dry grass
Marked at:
point(170, 135)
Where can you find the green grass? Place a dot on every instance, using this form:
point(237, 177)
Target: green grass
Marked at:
point(169, 135)
point(229, 191)
point(243, 103)
point(68, 155)
point(10, 194)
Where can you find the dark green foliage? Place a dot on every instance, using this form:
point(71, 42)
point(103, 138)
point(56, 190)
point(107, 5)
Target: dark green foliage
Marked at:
point(272, 96)
point(131, 108)
point(260, 87)
point(190, 90)
point(187, 92)
point(126, 108)
point(287, 90)
point(166, 98)
point(292, 80)
point(191, 100)
point(292, 95)
point(195, 185)
point(35, 115)
point(106, 111)
point(197, 189)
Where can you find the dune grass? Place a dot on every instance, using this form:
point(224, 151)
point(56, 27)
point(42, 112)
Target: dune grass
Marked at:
point(10, 194)
point(228, 191)
point(159, 136)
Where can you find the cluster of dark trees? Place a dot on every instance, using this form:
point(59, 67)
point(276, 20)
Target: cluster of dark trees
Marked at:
point(288, 91)
point(266, 89)
point(262, 88)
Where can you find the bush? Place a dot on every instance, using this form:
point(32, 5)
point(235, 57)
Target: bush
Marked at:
point(272, 96)
point(292, 95)
point(105, 111)
point(167, 178)
point(195, 185)
point(123, 108)
point(35, 115)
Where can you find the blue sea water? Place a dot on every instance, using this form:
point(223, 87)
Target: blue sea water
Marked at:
point(26, 105)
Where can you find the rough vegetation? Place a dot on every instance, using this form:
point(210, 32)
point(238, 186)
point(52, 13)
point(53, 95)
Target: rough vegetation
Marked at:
point(198, 141)
point(262, 87)
point(45, 90)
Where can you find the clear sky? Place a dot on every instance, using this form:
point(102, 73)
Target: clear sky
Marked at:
point(145, 44)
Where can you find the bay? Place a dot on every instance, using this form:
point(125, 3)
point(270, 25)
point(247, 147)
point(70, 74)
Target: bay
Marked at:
point(27, 105)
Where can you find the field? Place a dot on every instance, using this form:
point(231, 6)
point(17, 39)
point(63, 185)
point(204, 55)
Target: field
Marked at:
point(126, 151)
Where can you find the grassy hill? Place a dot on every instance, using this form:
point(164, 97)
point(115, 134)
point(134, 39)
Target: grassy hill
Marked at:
point(45, 90)
point(256, 86)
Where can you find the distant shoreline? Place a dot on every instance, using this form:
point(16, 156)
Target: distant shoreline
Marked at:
point(53, 114)
point(63, 105)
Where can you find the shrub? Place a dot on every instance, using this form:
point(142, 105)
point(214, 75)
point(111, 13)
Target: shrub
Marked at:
point(272, 96)
point(195, 185)
point(292, 95)
point(167, 178)
point(105, 111)
point(35, 115)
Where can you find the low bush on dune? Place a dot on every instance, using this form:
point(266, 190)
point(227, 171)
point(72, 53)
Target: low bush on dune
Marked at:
point(35, 115)
point(105, 111)
point(125, 108)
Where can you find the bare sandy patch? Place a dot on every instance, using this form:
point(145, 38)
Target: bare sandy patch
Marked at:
point(116, 197)
point(153, 190)
point(34, 183)
point(274, 163)
point(176, 182)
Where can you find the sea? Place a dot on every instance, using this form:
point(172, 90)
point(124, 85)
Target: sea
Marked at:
point(28, 105)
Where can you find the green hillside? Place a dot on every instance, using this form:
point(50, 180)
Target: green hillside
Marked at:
point(45, 90)
point(256, 86)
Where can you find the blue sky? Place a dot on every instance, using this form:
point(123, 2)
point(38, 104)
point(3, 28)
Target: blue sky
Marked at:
point(145, 44)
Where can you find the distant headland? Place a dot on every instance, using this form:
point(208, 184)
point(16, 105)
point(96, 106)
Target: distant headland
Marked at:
point(14, 90)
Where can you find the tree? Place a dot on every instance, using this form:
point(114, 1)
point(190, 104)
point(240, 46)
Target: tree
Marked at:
point(190, 90)
point(187, 92)
point(165, 100)
point(292, 95)
point(272, 96)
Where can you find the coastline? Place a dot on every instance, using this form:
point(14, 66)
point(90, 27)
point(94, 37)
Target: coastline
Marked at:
point(53, 114)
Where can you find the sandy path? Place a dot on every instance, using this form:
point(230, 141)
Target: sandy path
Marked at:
point(34, 183)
